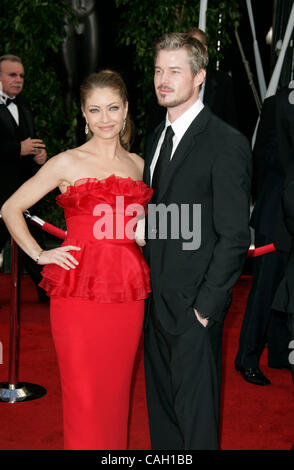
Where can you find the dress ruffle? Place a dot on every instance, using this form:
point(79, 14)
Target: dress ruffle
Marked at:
point(109, 271)
point(106, 272)
point(88, 191)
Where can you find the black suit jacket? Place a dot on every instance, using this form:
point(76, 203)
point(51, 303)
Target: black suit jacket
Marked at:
point(15, 169)
point(268, 174)
point(284, 296)
point(212, 167)
point(285, 125)
point(285, 135)
point(271, 157)
point(284, 239)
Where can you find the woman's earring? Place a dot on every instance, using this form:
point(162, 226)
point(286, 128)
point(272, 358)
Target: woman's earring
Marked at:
point(86, 128)
point(122, 131)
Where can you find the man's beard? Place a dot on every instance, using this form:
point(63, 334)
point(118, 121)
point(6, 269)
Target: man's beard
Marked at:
point(176, 101)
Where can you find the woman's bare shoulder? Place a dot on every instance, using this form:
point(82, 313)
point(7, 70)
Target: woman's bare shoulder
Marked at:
point(58, 168)
point(138, 160)
point(63, 159)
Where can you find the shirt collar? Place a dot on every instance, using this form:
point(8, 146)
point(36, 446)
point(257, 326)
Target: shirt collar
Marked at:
point(5, 97)
point(181, 124)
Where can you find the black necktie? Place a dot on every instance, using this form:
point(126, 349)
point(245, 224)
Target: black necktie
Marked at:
point(162, 161)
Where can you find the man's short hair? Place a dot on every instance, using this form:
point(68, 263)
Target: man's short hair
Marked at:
point(13, 58)
point(198, 57)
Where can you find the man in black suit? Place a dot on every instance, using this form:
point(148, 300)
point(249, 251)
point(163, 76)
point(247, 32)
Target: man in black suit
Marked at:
point(216, 92)
point(284, 234)
point(19, 150)
point(284, 296)
point(261, 323)
point(285, 124)
point(200, 170)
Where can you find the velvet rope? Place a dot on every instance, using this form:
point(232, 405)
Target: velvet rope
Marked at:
point(59, 233)
point(261, 250)
point(49, 228)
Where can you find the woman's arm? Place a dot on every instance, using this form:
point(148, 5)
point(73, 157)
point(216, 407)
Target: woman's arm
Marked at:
point(45, 180)
point(140, 232)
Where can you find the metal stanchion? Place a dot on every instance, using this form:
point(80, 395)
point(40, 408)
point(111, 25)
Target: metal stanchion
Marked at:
point(14, 391)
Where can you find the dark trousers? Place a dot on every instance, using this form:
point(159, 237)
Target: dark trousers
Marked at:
point(183, 385)
point(260, 322)
point(290, 323)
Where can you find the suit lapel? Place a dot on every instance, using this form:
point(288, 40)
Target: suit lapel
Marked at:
point(26, 115)
point(185, 147)
point(25, 118)
point(150, 148)
point(7, 120)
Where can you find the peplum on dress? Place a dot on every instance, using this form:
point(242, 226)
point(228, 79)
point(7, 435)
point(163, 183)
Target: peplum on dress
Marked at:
point(97, 309)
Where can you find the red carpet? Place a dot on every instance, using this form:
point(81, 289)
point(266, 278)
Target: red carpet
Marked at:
point(252, 418)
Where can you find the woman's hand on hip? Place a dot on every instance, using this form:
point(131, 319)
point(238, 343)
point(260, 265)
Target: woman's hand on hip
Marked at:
point(60, 256)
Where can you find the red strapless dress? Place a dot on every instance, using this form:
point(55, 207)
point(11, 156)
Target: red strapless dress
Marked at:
point(97, 309)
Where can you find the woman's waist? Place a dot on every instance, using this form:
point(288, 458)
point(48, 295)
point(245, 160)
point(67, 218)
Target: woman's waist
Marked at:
point(119, 229)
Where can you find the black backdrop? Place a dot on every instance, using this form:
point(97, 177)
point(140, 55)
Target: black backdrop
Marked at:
point(266, 13)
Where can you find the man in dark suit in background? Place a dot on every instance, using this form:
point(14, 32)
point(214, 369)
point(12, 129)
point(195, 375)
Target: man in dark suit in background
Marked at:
point(285, 124)
point(19, 150)
point(284, 295)
point(192, 158)
point(217, 92)
point(261, 323)
point(284, 234)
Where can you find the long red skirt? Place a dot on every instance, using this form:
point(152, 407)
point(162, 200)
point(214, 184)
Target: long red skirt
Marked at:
point(96, 345)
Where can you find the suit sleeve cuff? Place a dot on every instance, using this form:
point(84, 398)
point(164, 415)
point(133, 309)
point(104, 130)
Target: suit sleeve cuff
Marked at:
point(213, 302)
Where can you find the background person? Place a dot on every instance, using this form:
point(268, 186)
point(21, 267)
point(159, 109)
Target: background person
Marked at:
point(261, 323)
point(20, 152)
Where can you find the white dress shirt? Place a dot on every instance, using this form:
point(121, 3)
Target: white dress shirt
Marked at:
point(12, 107)
point(179, 126)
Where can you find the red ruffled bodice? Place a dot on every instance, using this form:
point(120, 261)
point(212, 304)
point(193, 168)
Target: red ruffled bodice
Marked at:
point(101, 218)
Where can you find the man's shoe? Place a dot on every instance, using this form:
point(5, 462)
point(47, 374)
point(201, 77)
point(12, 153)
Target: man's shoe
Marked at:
point(253, 375)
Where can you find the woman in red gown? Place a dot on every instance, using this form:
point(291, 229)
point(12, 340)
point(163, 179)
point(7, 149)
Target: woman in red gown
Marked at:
point(98, 279)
